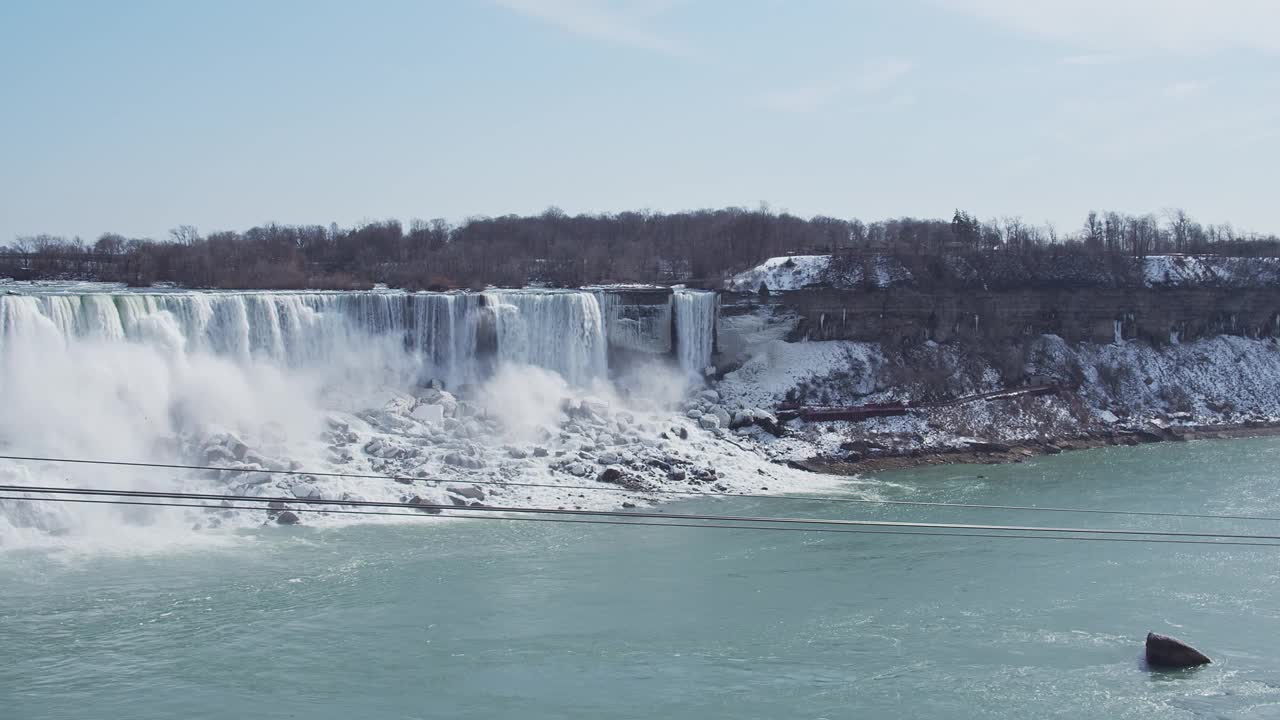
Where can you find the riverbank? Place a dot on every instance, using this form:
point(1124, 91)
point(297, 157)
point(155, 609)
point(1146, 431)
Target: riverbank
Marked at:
point(995, 453)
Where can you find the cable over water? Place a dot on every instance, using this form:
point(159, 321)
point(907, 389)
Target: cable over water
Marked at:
point(633, 514)
point(655, 491)
point(624, 523)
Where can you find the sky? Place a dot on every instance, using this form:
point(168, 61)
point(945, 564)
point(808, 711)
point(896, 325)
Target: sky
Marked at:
point(137, 116)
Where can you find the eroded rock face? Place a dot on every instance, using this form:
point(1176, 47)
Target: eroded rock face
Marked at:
point(1166, 652)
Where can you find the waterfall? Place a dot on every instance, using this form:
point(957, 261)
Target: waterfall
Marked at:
point(637, 328)
point(695, 322)
point(455, 336)
point(557, 330)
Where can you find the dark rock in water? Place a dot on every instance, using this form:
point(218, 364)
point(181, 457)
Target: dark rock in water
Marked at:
point(539, 452)
point(1051, 449)
point(287, 518)
point(276, 505)
point(628, 505)
point(1166, 652)
point(461, 502)
point(610, 475)
point(853, 457)
point(676, 476)
point(680, 432)
point(1148, 436)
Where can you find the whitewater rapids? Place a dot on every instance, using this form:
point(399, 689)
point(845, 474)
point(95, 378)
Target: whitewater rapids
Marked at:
point(272, 384)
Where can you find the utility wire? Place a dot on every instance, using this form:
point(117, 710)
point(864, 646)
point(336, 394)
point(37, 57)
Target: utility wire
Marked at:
point(692, 525)
point(630, 514)
point(683, 493)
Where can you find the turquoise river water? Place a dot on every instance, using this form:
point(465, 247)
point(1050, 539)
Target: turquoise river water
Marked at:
point(472, 619)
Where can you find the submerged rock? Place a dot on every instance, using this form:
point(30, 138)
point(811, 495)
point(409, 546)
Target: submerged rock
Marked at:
point(1166, 652)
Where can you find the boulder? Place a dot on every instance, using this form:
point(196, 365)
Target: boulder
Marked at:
point(380, 448)
point(610, 475)
point(694, 413)
point(287, 518)
point(218, 455)
point(709, 422)
point(577, 468)
point(722, 415)
point(1167, 652)
point(471, 492)
point(540, 452)
point(305, 491)
point(428, 413)
point(517, 453)
point(710, 396)
point(463, 461)
point(419, 502)
point(680, 431)
point(741, 419)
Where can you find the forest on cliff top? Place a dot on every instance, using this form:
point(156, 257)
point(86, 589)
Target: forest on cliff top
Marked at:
point(698, 248)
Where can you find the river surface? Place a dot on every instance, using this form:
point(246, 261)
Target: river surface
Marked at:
point(485, 619)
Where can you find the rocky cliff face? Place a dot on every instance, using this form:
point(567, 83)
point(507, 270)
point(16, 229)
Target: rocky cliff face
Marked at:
point(1098, 315)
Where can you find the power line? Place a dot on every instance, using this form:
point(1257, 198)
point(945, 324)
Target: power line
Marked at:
point(628, 514)
point(656, 491)
point(690, 525)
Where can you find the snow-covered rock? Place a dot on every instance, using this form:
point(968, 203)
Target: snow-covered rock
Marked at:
point(429, 413)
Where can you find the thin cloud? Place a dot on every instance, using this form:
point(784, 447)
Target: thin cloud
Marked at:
point(1092, 59)
point(612, 22)
point(872, 78)
point(1184, 89)
point(1181, 26)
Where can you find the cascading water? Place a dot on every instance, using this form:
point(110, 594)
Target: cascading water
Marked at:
point(634, 327)
point(556, 330)
point(321, 380)
point(695, 320)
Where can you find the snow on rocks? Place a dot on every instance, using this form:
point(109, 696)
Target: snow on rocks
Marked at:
point(795, 272)
point(783, 273)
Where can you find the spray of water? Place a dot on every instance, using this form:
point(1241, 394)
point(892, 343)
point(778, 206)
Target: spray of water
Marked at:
point(155, 376)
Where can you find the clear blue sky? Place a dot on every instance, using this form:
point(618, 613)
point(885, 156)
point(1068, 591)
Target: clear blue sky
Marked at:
point(135, 117)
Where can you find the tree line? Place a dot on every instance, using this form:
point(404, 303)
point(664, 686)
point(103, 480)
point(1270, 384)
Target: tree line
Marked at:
point(697, 247)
